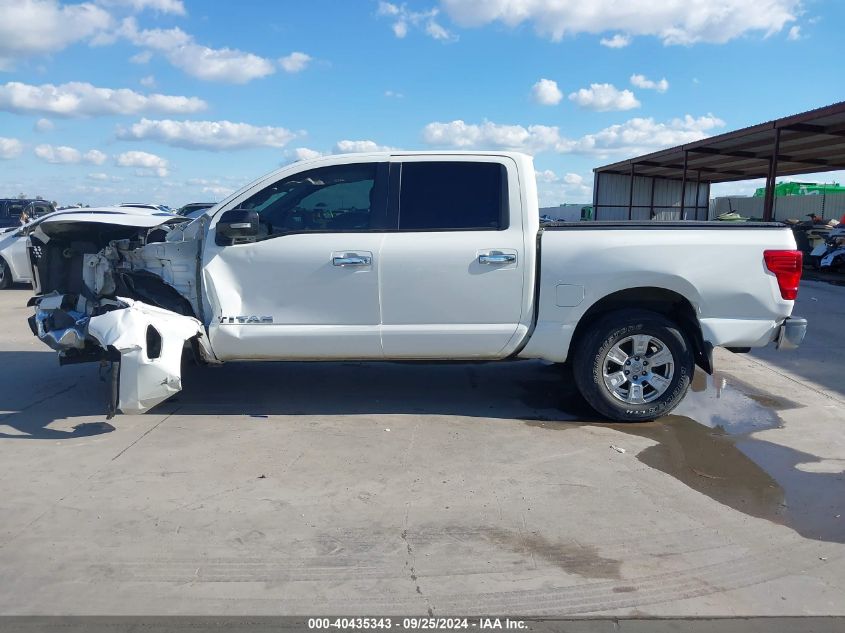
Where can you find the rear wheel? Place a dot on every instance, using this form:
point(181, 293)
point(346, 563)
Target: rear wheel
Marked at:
point(5, 274)
point(633, 365)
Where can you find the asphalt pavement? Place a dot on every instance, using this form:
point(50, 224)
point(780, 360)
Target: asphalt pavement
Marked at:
point(350, 488)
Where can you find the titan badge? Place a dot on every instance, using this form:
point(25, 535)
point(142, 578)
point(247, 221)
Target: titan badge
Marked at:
point(250, 320)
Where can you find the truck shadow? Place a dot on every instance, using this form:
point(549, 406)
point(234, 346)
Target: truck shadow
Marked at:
point(510, 390)
point(36, 393)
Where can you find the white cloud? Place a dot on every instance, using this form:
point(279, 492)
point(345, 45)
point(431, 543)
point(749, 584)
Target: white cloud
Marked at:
point(461, 135)
point(394, 94)
point(435, 31)
point(295, 62)
point(341, 147)
point(549, 176)
point(148, 82)
point(635, 136)
point(43, 125)
point(94, 156)
point(794, 33)
point(213, 186)
point(641, 135)
point(221, 64)
point(175, 7)
point(218, 191)
point(143, 57)
point(546, 92)
point(79, 99)
point(64, 155)
point(210, 64)
point(619, 40)
point(604, 98)
point(36, 27)
point(149, 164)
point(153, 39)
point(102, 177)
point(211, 135)
point(387, 8)
point(10, 147)
point(553, 189)
point(641, 81)
point(672, 21)
point(305, 153)
point(403, 19)
point(349, 147)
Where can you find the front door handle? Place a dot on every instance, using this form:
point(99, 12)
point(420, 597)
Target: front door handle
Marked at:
point(352, 259)
point(496, 258)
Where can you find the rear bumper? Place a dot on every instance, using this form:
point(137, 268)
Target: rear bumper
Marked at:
point(791, 333)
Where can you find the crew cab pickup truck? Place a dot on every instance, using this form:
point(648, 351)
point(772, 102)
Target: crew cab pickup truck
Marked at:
point(409, 255)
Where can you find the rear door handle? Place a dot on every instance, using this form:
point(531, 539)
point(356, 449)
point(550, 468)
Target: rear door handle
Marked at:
point(496, 258)
point(352, 259)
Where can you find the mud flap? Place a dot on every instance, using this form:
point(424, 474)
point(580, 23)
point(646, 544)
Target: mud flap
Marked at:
point(150, 342)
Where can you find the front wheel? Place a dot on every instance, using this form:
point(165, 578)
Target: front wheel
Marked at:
point(633, 365)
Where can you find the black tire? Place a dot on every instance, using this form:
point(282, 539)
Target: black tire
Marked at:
point(592, 349)
point(5, 274)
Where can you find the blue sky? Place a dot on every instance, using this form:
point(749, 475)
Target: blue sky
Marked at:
point(176, 101)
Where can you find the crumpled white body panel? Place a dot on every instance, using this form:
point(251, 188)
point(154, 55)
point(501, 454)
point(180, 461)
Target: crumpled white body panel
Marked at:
point(144, 381)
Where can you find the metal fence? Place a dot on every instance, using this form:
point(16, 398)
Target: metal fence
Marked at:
point(828, 206)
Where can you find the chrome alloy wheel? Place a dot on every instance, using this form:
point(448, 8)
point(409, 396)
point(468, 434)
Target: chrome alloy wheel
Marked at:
point(638, 369)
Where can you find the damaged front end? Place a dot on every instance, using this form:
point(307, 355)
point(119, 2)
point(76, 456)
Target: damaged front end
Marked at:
point(119, 289)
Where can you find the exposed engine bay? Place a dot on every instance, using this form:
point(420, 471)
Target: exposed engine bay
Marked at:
point(122, 290)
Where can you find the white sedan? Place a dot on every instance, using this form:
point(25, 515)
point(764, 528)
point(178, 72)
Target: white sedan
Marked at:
point(14, 262)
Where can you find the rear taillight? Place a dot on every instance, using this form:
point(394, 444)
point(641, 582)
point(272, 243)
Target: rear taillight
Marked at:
point(786, 265)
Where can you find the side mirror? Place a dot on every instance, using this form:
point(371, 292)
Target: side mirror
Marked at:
point(237, 226)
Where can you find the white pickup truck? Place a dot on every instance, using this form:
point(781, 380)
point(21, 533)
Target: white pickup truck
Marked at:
point(409, 255)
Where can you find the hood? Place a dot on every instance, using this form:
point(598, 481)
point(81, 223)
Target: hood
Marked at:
point(120, 216)
point(106, 222)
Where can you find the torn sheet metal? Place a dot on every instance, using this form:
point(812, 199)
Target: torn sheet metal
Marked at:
point(150, 342)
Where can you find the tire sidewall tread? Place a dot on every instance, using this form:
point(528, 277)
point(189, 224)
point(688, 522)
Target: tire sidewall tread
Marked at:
point(604, 334)
point(6, 281)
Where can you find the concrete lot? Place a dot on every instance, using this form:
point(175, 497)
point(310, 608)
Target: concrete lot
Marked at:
point(346, 488)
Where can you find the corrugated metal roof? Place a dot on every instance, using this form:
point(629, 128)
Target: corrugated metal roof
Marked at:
point(809, 142)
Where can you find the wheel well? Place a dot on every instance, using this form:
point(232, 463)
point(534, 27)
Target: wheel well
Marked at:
point(670, 304)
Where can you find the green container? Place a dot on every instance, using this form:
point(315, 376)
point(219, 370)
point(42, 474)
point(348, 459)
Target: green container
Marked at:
point(802, 189)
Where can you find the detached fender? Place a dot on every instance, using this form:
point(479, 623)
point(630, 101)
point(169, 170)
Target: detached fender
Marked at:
point(150, 342)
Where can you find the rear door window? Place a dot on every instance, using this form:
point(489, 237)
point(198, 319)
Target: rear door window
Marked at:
point(453, 196)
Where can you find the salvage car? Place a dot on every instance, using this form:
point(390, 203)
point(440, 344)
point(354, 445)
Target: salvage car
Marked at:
point(409, 256)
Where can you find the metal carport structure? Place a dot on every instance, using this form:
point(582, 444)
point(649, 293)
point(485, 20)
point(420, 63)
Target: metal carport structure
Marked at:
point(675, 183)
